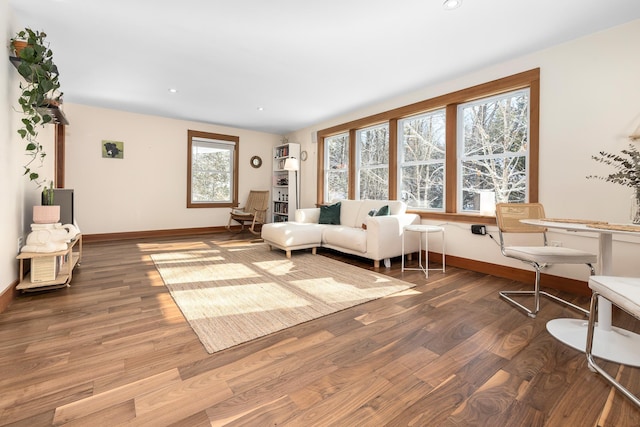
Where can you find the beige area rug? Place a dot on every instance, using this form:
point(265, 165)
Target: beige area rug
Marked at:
point(234, 294)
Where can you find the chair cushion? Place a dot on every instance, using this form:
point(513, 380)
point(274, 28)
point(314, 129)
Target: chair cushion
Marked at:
point(621, 291)
point(550, 255)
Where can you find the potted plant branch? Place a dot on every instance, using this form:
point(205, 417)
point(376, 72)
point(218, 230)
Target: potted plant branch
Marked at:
point(627, 166)
point(39, 91)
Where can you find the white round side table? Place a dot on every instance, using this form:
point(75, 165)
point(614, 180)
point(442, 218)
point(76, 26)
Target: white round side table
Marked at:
point(423, 229)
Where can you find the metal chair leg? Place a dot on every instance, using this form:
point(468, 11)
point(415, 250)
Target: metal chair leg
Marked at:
point(591, 363)
point(536, 293)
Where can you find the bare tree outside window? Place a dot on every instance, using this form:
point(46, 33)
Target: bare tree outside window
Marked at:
point(337, 170)
point(373, 167)
point(422, 160)
point(493, 143)
point(211, 173)
point(212, 170)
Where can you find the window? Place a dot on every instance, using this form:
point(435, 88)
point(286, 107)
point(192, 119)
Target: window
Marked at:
point(336, 174)
point(373, 163)
point(212, 170)
point(443, 156)
point(421, 157)
point(493, 145)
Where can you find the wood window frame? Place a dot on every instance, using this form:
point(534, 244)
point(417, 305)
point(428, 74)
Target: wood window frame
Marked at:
point(234, 190)
point(526, 79)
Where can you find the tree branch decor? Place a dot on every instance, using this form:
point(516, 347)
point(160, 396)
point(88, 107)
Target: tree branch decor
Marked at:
point(627, 166)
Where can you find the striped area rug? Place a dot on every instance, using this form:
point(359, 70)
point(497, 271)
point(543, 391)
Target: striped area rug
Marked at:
point(230, 295)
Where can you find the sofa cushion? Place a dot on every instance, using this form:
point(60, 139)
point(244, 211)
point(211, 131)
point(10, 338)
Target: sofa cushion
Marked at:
point(330, 214)
point(349, 213)
point(292, 234)
point(354, 239)
point(395, 208)
point(383, 211)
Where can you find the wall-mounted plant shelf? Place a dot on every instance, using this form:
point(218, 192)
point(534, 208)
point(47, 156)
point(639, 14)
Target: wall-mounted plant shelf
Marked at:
point(54, 111)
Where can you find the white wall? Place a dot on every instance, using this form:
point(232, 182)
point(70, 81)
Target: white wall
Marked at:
point(590, 93)
point(146, 190)
point(17, 194)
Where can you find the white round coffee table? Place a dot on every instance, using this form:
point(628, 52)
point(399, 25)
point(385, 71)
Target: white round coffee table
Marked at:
point(423, 229)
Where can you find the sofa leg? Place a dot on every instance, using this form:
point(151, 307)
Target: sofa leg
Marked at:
point(289, 254)
point(387, 262)
point(314, 250)
point(376, 263)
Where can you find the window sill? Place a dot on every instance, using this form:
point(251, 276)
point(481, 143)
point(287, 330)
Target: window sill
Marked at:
point(456, 217)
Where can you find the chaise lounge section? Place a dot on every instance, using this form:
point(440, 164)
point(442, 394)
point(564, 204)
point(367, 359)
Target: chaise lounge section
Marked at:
point(359, 231)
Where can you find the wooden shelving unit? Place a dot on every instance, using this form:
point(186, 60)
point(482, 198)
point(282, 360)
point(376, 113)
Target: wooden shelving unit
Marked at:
point(66, 260)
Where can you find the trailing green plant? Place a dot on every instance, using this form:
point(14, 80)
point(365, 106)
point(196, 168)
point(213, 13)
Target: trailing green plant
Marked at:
point(38, 91)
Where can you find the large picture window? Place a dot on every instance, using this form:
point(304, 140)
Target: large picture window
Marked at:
point(442, 156)
point(373, 163)
point(493, 144)
point(336, 174)
point(422, 150)
point(212, 170)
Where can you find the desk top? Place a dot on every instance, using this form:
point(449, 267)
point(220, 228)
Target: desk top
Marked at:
point(586, 226)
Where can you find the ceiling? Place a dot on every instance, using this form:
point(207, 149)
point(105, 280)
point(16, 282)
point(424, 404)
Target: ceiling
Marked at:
point(281, 65)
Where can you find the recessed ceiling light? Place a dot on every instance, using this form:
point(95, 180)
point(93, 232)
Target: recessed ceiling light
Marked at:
point(260, 108)
point(172, 90)
point(451, 4)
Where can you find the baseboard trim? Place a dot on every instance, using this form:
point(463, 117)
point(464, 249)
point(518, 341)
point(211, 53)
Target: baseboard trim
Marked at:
point(564, 284)
point(8, 296)
point(176, 232)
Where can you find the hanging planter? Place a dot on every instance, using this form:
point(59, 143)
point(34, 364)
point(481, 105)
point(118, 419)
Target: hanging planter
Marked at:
point(17, 46)
point(40, 88)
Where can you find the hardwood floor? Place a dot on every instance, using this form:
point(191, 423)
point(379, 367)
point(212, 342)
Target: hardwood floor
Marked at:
point(113, 349)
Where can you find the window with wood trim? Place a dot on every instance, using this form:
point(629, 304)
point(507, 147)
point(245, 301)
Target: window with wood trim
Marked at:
point(212, 170)
point(436, 161)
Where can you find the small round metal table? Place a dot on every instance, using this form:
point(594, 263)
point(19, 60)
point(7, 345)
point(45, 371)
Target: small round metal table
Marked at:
point(423, 229)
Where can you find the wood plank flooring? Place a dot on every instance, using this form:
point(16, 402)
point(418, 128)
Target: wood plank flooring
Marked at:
point(114, 349)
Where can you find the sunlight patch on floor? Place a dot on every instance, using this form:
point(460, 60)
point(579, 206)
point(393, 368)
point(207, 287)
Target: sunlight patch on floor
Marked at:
point(229, 301)
point(207, 273)
point(330, 291)
point(278, 267)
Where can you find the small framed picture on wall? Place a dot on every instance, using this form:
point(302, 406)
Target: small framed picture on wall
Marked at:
point(112, 149)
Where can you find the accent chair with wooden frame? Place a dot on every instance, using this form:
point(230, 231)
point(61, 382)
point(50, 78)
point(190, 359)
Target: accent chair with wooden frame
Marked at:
point(254, 211)
point(508, 216)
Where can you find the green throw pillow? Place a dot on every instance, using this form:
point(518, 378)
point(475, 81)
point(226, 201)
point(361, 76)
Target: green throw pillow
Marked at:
point(330, 214)
point(383, 211)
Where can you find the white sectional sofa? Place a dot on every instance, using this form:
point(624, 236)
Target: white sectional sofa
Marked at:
point(373, 237)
